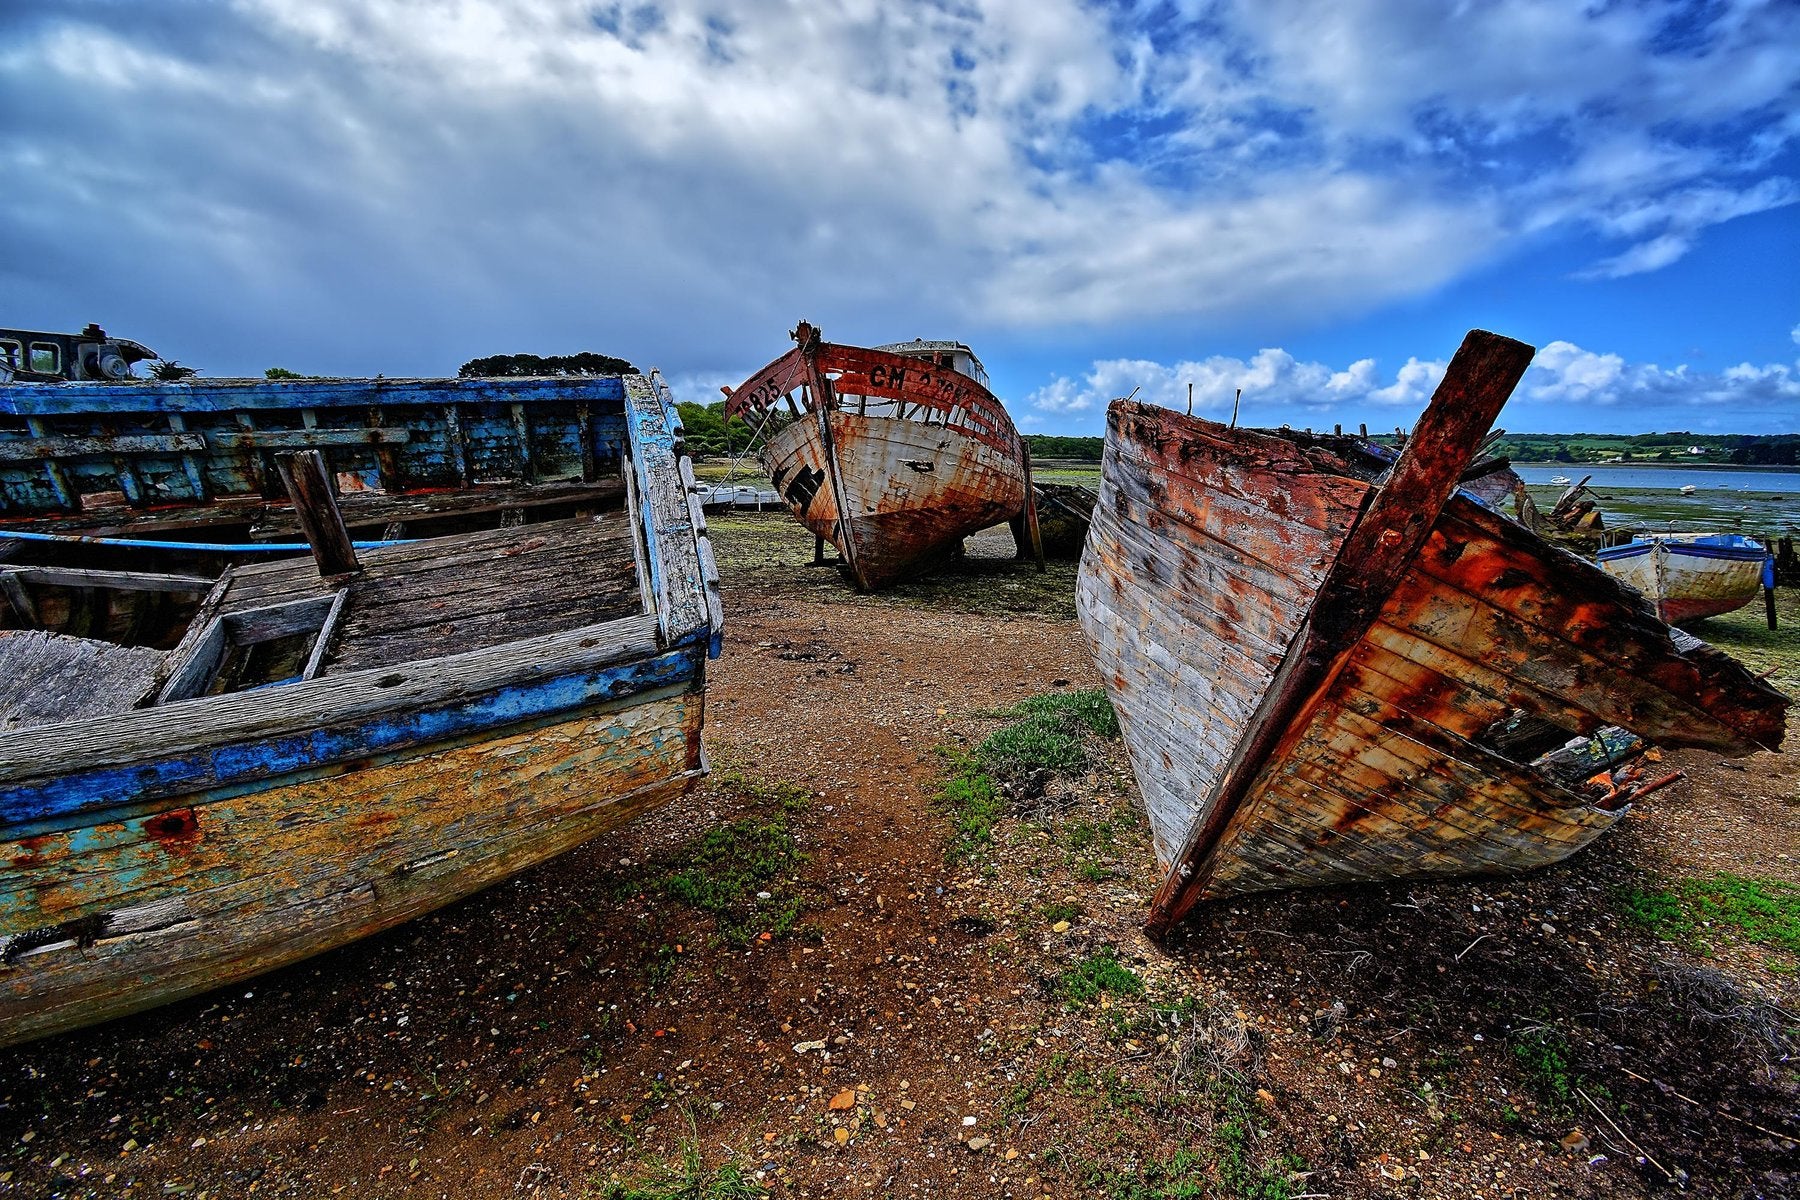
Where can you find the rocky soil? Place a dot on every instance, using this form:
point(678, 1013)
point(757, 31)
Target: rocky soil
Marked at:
point(814, 977)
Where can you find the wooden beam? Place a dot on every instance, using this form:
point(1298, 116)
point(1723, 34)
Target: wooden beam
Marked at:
point(316, 508)
point(126, 581)
point(68, 446)
point(1374, 557)
point(306, 439)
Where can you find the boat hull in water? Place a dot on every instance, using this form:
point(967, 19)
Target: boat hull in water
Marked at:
point(1322, 664)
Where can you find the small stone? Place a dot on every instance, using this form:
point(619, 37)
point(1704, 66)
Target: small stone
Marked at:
point(977, 1143)
point(844, 1099)
point(1265, 1095)
point(1012, 1154)
point(841, 1134)
point(1575, 1141)
point(1060, 927)
point(1389, 1063)
point(908, 1105)
point(968, 1120)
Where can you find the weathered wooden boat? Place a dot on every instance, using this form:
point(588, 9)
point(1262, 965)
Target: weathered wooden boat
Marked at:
point(892, 454)
point(290, 753)
point(1330, 665)
point(1691, 575)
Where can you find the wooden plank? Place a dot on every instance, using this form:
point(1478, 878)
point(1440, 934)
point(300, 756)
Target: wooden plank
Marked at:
point(99, 445)
point(671, 540)
point(304, 439)
point(1374, 558)
point(46, 678)
point(58, 477)
point(129, 581)
point(316, 508)
point(232, 395)
point(69, 769)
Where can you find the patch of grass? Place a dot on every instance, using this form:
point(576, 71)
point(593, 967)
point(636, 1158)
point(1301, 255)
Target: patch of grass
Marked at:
point(686, 1179)
point(1764, 911)
point(1543, 1056)
point(1046, 734)
point(974, 805)
point(723, 871)
point(1100, 972)
point(1060, 910)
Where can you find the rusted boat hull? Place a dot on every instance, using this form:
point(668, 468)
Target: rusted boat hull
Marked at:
point(913, 491)
point(470, 705)
point(891, 459)
point(1689, 579)
point(1294, 717)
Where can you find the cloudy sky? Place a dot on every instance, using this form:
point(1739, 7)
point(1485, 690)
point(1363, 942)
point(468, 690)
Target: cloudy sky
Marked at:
point(1310, 201)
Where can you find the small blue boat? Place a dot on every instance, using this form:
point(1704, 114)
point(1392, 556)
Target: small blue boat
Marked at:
point(1691, 576)
point(219, 755)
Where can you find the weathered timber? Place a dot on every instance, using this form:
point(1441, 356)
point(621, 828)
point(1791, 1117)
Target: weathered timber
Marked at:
point(48, 678)
point(897, 455)
point(316, 508)
point(1314, 655)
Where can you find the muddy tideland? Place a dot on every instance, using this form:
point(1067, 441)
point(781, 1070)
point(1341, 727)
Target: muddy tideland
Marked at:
point(892, 948)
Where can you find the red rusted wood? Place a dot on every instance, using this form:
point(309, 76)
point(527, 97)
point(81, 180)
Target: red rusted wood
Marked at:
point(895, 490)
point(1376, 554)
point(1209, 557)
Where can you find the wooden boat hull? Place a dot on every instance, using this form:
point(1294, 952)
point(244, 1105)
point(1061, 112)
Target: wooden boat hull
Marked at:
point(471, 705)
point(913, 490)
point(178, 893)
point(891, 459)
point(1201, 594)
point(1687, 579)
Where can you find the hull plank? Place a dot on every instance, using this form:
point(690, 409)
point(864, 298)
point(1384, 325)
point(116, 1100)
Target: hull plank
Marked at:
point(891, 460)
point(1312, 656)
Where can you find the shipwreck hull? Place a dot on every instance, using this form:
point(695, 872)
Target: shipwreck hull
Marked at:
point(175, 894)
point(913, 491)
point(892, 459)
point(1309, 700)
point(322, 755)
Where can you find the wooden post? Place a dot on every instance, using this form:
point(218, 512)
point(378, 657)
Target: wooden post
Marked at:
point(316, 508)
point(1768, 582)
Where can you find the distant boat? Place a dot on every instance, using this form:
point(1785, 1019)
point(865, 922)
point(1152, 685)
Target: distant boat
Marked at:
point(1562, 479)
point(1691, 576)
point(1332, 666)
point(1688, 489)
point(894, 454)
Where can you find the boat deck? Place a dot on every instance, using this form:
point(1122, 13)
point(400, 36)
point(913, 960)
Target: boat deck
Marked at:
point(468, 592)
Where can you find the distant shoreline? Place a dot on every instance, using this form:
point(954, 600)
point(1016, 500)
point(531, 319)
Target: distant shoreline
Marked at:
point(1658, 463)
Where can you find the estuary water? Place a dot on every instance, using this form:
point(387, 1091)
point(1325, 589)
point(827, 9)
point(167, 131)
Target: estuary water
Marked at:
point(1636, 476)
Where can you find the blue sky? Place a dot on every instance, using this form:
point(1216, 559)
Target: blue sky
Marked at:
point(1310, 201)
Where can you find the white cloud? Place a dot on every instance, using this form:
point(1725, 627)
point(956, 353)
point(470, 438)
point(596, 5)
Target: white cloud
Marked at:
point(397, 178)
point(1564, 386)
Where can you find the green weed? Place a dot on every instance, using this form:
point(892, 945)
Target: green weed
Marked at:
point(687, 1179)
point(1764, 911)
point(974, 805)
point(722, 872)
point(1100, 972)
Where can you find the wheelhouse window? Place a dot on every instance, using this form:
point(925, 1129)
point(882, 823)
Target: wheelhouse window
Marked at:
point(46, 358)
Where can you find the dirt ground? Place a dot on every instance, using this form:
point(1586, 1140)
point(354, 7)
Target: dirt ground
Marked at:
point(883, 1018)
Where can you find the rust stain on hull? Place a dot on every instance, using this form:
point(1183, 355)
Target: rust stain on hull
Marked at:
point(1294, 720)
point(890, 459)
